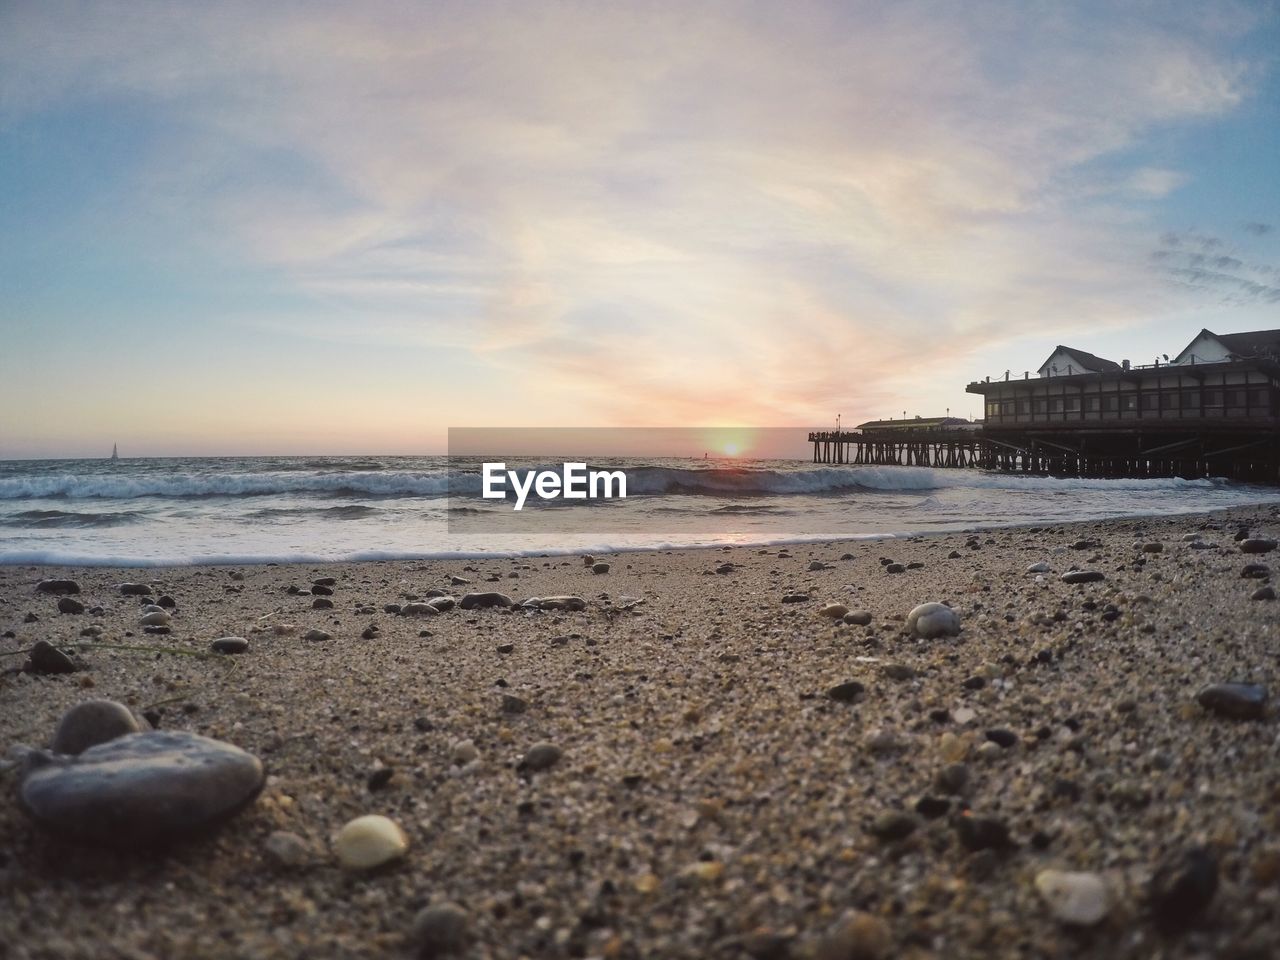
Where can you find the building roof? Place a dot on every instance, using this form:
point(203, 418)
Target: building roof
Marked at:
point(1258, 343)
point(1254, 343)
point(1087, 362)
point(912, 423)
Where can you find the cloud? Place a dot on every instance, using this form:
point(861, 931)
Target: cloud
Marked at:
point(1193, 261)
point(1258, 229)
point(750, 206)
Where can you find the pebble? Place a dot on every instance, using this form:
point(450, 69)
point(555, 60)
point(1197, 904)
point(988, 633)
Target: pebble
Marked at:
point(600, 567)
point(322, 603)
point(479, 601)
point(1153, 547)
point(1005, 738)
point(513, 704)
point(1182, 887)
point(859, 936)
point(894, 568)
point(369, 841)
point(833, 611)
point(1041, 567)
point(70, 605)
point(320, 590)
point(893, 825)
point(285, 850)
point(562, 603)
point(134, 589)
point(462, 752)
point(156, 618)
point(816, 565)
point(90, 723)
point(317, 636)
point(1240, 701)
point(1082, 576)
point(57, 586)
point(846, 692)
point(1257, 546)
point(229, 645)
point(1079, 899)
point(458, 581)
point(1263, 593)
point(440, 930)
point(982, 833)
point(929, 620)
point(1255, 571)
point(795, 598)
point(952, 779)
point(931, 808)
point(898, 671)
point(541, 756)
point(45, 658)
point(859, 618)
point(142, 788)
point(420, 609)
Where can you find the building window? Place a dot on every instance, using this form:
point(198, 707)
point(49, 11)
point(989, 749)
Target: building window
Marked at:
point(1093, 404)
point(1110, 404)
point(1191, 400)
point(1170, 401)
point(1260, 398)
point(1073, 404)
point(1130, 401)
point(1213, 398)
point(1024, 407)
point(993, 409)
point(1042, 406)
point(1150, 401)
point(1055, 405)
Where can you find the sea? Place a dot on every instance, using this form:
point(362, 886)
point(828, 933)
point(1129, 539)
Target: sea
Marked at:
point(209, 510)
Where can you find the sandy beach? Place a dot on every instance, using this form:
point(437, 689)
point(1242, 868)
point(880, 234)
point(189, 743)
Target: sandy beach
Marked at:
point(711, 797)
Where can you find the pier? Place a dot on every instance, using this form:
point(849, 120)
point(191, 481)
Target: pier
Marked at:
point(1231, 453)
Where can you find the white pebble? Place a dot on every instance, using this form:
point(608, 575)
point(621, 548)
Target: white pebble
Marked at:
point(370, 841)
point(930, 620)
point(462, 752)
point(157, 618)
point(833, 610)
point(1041, 567)
point(1081, 899)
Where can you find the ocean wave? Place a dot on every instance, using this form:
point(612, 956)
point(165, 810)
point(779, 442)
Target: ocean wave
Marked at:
point(353, 511)
point(183, 485)
point(642, 481)
point(834, 480)
point(62, 519)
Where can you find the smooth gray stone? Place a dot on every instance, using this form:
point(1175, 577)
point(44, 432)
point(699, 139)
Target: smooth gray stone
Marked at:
point(140, 789)
point(57, 586)
point(1258, 545)
point(46, 658)
point(443, 604)
point(135, 589)
point(93, 722)
point(1082, 576)
point(1242, 701)
point(540, 756)
point(229, 645)
point(70, 605)
point(562, 603)
point(476, 601)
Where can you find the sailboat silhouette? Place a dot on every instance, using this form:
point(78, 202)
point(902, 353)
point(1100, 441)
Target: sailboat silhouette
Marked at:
point(115, 452)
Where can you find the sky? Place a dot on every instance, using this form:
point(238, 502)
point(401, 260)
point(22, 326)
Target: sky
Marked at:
point(237, 228)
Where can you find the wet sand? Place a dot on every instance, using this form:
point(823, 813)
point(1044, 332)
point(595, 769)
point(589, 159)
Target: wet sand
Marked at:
point(711, 799)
